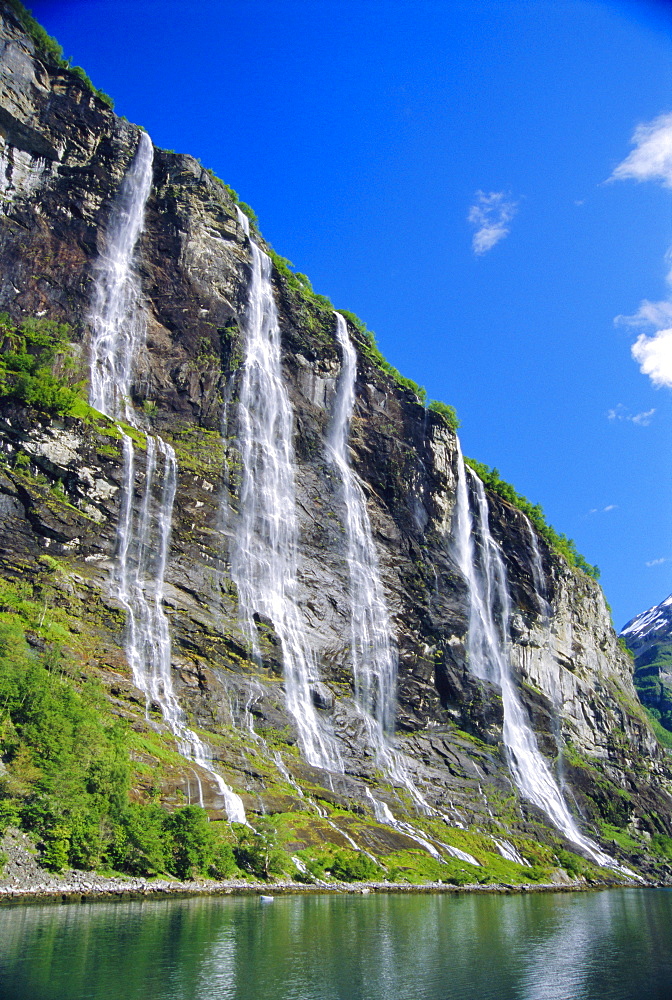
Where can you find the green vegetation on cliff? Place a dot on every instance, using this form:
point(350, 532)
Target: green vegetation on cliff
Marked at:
point(37, 365)
point(447, 412)
point(66, 766)
point(49, 47)
point(652, 672)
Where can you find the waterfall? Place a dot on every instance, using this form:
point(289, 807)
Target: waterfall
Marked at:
point(538, 575)
point(117, 317)
point(482, 565)
point(117, 336)
point(373, 652)
point(374, 657)
point(264, 553)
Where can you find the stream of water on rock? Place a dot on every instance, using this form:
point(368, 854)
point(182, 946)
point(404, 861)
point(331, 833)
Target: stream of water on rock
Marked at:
point(118, 332)
point(482, 565)
point(374, 657)
point(264, 552)
point(373, 651)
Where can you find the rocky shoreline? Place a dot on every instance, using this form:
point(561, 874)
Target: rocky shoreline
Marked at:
point(87, 887)
point(23, 880)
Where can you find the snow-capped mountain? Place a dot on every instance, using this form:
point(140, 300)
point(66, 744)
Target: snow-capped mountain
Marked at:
point(650, 628)
point(649, 637)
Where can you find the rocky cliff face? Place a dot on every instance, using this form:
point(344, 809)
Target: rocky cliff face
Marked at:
point(63, 154)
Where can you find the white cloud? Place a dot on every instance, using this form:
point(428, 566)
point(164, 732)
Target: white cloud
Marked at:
point(656, 562)
point(654, 356)
point(643, 419)
point(656, 314)
point(491, 214)
point(651, 159)
point(621, 412)
point(604, 510)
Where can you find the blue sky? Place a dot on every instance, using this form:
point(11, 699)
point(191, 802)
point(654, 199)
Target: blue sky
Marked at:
point(446, 171)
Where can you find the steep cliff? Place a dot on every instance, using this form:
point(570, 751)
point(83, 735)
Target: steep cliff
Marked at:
point(442, 787)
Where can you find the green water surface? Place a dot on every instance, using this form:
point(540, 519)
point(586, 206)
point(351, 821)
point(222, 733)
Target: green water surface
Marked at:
point(614, 945)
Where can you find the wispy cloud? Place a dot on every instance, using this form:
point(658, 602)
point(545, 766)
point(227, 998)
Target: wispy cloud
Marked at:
point(620, 412)
point(644, 418)
point(656, 314)
point(491, 214)
point(656, 562)
point(651, 160)
point(604, 510)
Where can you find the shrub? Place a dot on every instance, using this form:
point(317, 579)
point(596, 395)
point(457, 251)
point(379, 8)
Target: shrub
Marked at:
point(66, 766)
point(37, 365)
point(249, 212)
point(223, 864)
point(355, 866)
point(43, 42)
point(662, 844)
point(190, 840)
point(258, 851)
point(449, 413)
point(369, 348)
point(139, 844)
point(572, 864)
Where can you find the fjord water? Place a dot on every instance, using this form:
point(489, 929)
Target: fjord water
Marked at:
point(613, 945)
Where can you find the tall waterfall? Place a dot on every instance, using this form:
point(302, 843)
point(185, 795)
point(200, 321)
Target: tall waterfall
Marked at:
point(481, 562)
point(117, 335)
point(117, 317)
point(374, 658)
point(264, 551)
point(538, 576)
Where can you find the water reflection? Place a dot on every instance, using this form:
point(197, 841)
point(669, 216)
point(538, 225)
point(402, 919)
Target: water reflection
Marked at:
point(599, 946)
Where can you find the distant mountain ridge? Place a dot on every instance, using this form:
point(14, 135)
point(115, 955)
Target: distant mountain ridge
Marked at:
point(649, 638)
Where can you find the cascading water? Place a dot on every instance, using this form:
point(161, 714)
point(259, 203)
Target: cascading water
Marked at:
point(117, 317)
point(264, 549)
point(538, 575)
point(482, 565)
point(374, 658)
point(117, 335)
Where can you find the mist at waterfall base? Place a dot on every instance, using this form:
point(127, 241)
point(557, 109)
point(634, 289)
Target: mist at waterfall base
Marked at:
point(424, 105)
point(588, 946)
